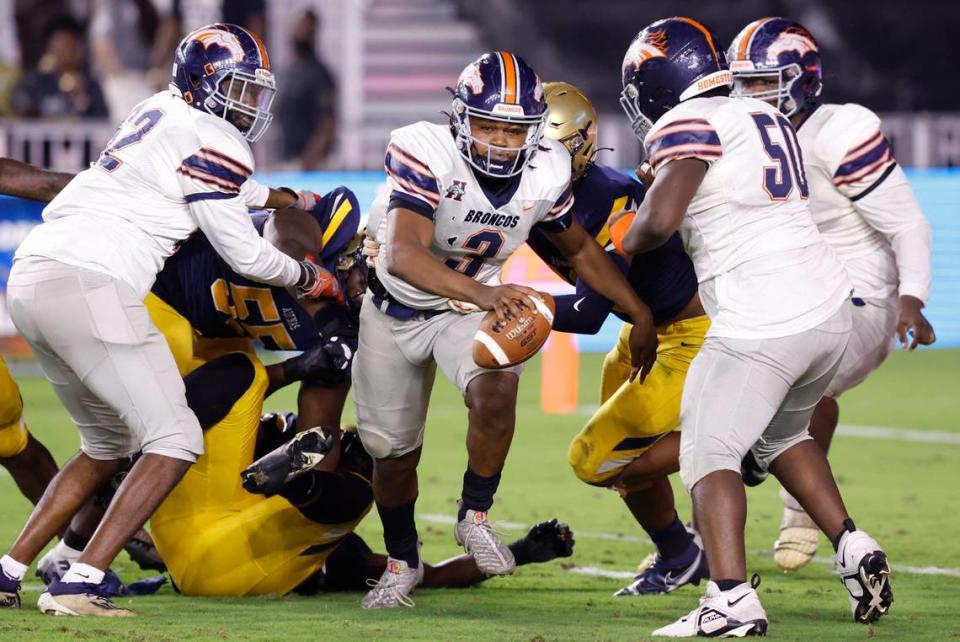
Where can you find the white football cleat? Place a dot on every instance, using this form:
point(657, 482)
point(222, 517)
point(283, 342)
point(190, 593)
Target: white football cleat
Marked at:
point(476, 536)
point(864, 572)
point(394, 587)
point(798, 541)
point(735, 613)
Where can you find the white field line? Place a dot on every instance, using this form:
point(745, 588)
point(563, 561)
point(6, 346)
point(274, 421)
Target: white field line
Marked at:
point(602, 572)
point(861, 432)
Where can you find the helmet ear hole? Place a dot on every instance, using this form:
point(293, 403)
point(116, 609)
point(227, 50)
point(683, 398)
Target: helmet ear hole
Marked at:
point(195, 81)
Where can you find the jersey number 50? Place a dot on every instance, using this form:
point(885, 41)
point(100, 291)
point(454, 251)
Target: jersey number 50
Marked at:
point(143, 121)
point(778, 180)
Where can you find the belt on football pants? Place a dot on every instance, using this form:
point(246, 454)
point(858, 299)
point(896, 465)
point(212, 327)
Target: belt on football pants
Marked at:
point(391, 307)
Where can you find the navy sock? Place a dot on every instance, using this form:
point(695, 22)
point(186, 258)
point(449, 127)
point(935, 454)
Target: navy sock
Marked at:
point(74, 540)
point(848, 527)
point(672, 541)
point(477, 492)
point(400, 532)
point(726, 585)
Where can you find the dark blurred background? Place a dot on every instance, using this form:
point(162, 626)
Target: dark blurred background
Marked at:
point(349, 71)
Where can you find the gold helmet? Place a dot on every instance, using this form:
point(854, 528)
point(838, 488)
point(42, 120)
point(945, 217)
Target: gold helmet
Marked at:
point(571, 120)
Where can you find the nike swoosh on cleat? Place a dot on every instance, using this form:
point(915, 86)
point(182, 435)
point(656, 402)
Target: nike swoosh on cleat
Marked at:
point(576, 304)
point(733, 603)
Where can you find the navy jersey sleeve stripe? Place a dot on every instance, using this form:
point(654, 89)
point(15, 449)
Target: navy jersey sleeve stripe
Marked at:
point(201, 162)
point(207, 196)
point(228, 160)
point(405, 201)
point(693, 140)
point(402, 165)
point(871, 157)
point(219, 183)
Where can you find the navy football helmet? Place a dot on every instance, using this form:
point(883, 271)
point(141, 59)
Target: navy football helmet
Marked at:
point(498, 86)
point(224, 70)
point(668, 62)
point(781, 51)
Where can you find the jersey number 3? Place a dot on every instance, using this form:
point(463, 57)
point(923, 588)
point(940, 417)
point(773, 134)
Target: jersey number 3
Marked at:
point(778, 180)
point(485, 245)
point(143, 122)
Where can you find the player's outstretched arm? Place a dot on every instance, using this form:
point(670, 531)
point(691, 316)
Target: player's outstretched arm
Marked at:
point(27, 181)
point(598, 270)
point(892, 208)
point(409, 236)
point(661, 212)
point(544, 542)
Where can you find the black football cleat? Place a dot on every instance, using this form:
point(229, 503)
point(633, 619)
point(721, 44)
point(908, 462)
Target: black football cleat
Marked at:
point(144, 553)
point(752, 472)
point(300, 455)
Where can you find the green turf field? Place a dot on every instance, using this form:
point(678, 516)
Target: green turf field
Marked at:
point(902, 490)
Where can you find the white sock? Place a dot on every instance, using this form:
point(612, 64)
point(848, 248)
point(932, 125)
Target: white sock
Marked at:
point(66, 552)
point(12, 568)
point(84, 573)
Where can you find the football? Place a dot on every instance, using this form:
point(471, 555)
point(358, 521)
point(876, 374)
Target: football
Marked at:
point(502, 344)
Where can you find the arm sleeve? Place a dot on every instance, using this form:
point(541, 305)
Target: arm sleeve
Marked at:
point(212, 182)
point(585, 311)
point(411, 181)
point(683, 138)
point(893, 210)
point(254, 194)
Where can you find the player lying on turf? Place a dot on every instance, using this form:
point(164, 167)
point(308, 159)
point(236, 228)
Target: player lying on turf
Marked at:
point(864, 208)
point(627, 444)
point(176, 165)
point(219, 539)
point(778, 301)
point(206, 309)
point(464, 195)
point(351, 565)
point(209, 314)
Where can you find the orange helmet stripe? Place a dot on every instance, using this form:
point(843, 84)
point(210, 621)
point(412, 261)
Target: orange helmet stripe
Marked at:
point(706, 32)
point(509, 69)
point(742, 52)
point(264, 59)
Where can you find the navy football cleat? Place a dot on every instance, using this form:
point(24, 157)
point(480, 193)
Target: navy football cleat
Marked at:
point(9, 591)
point(300, 455)
point(666, 575)
point(81, 598)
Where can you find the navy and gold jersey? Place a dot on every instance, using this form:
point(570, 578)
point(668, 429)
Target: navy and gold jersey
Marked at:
point(663, 278)
point(218, 302)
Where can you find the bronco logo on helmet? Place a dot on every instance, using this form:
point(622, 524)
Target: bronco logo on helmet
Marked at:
point(224, 70)
point(778, 61)
point(498, 86)
point(668, 62)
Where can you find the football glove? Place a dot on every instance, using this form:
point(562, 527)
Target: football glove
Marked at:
point(318, 283)
point(544, 542)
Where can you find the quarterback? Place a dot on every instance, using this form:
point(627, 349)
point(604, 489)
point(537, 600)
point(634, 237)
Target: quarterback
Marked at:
point(464, 195)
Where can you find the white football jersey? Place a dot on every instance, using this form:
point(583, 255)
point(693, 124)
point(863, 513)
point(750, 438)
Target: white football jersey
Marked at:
point(763, 269)
point(847, 158)
point(168, 170)
point(428, 175)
